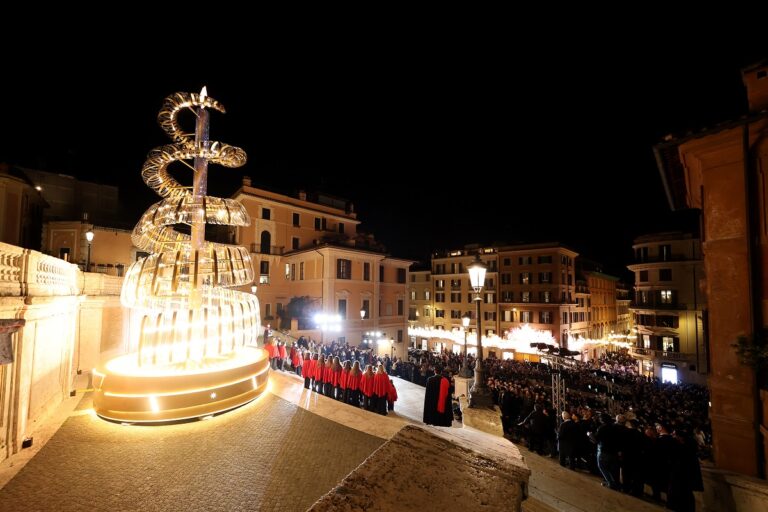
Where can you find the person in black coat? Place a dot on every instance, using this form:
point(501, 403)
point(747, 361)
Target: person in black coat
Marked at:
point(568, 438)
point(437, 402)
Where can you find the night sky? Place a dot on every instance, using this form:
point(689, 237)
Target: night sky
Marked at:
point(436, 146)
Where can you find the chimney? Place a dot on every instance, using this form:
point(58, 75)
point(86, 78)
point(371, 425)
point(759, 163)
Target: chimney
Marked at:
point(302, 195)
point(755, 78)
point(246, 181)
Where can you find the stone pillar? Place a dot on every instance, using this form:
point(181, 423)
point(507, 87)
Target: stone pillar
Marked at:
point(7, 328)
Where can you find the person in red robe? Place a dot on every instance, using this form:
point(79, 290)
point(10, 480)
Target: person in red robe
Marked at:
point(336, 378)
point(344, 382)
point(366, 388)
point(320, 373)
point(353, 384)
point(281, 355)
point(309, 369)
point(380, 389)
point(328, 377)
point(391, 395)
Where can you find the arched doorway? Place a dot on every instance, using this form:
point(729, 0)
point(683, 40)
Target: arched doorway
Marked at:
point(266, 241)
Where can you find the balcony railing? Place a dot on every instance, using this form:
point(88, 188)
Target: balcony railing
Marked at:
point(659, 354)
point(264, 249)
point(658, 305)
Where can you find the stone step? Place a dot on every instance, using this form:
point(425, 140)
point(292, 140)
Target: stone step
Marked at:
point(534, 505)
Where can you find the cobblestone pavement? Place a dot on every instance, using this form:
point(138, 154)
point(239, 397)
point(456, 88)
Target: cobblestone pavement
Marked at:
point(268, 455)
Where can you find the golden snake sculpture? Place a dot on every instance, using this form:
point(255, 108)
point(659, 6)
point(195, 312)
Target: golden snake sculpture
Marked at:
point(190, 311)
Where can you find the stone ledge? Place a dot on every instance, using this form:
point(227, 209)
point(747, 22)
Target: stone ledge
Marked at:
point(417, 470)
point(485, 420)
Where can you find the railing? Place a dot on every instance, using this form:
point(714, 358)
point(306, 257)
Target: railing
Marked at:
point(665, 259)
point(25, 272)
point(272, 249)
point(660, 354)
point(658, 305)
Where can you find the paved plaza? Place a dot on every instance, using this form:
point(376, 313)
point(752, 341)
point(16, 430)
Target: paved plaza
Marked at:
point(267, 455)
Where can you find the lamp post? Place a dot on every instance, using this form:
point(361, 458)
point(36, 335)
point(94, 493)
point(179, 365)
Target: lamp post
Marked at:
point(479, 395)
point(466, 372)
point(391, 348)
point(89, 237)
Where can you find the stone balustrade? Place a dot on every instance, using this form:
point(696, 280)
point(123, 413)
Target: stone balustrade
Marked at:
point(24, 272)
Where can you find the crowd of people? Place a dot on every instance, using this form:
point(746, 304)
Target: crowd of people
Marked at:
point(630, 429)
point(337, 371)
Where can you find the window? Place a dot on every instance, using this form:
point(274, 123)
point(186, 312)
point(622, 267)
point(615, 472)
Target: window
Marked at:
point(455, 283)
point(413, 294)
point(318, 223)
point(439, 313)
point(267, 311)
point(490, 316)
point(646, 341)
point(400, 307)
point(565, 317)
point(668, 344)
point(545, 277)
point(545, 317)
point(399, 335)
point(667, 321)
point(266, 213)
point(401, 275)
point(426, 311)
point(381, 273)
point(413, 278)
point(490, 298)
point(545, 296)
point(293, 271)
point(366, 271)
point(507, 262)
point(456, 314)
point(665, 252)
point(526, 297)
point(525, 278)
point(665, 274)
point(455, 297)
point(525, 260)
point(526, 316)
point(440, 297)
point(506, 278)
point(341, 228)
point(439, 284)
point(287, 271)
point(508, 315)
point(666, 296)
point(507, 296)
point(264, 267)
point(367, 308)
point(301, 271)
point(296, 220)
point(545, 259)
point(263, 279)
point(643, 277)
point(426, 295)
point(294, 243)
point(342, 309)
point(643, 296)
point(343, 269)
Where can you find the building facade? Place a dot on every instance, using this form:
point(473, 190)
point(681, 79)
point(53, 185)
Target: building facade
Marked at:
point(21, 208)
point(308, 247)
point(669, 307)
point(721, 173)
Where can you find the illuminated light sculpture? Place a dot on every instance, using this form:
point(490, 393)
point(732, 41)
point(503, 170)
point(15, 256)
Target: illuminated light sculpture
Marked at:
point(195, 354)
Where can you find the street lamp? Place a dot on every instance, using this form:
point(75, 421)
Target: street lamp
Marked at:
point(479, 395)
point(391, 348)
point(466, 372)
point(89, 237)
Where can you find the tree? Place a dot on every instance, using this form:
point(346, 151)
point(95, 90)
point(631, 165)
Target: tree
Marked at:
point(301, 308)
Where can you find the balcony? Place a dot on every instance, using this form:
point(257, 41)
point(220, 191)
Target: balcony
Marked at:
point(660, 354)
point(662, 259)
point(263, 249)
point(658, 305)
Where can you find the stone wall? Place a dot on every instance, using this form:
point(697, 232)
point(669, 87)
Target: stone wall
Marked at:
point(70, 320)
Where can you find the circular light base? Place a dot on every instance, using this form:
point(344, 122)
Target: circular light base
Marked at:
point(127, 392)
